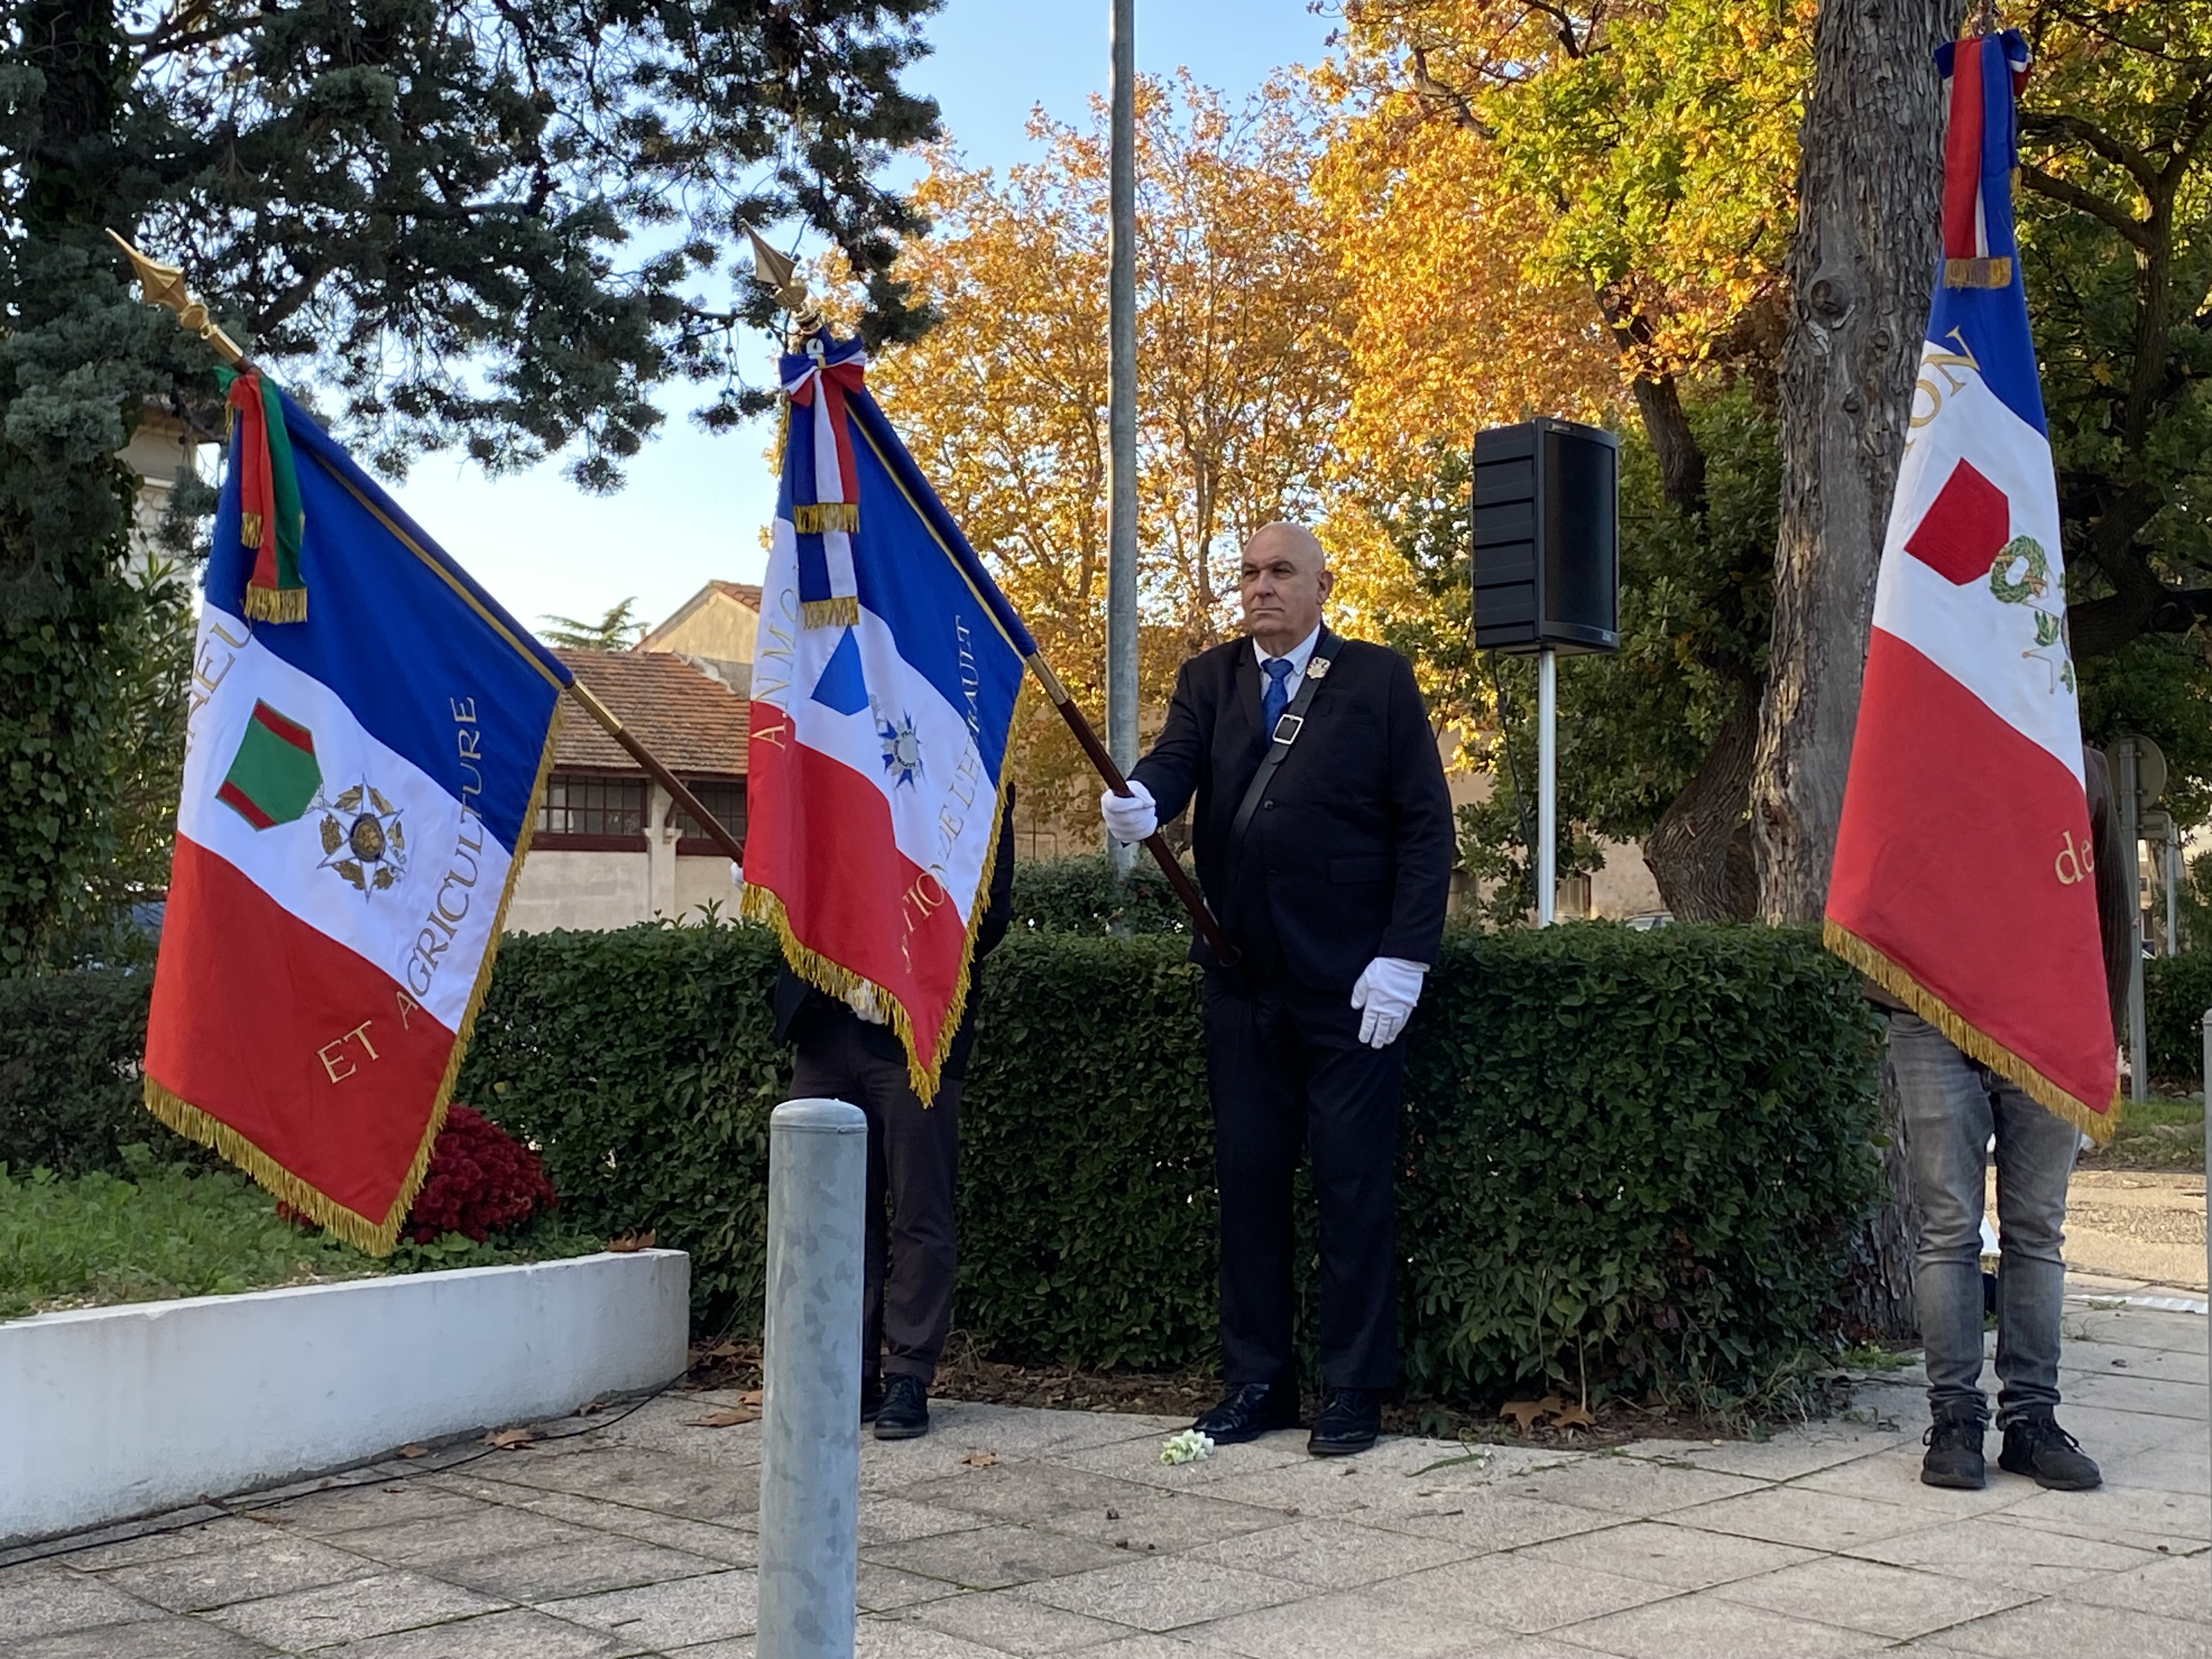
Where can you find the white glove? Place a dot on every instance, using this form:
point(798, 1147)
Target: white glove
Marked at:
point(1386, 993)
point(1131, 816)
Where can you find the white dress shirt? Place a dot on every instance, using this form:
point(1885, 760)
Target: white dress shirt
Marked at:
point(1297, 656)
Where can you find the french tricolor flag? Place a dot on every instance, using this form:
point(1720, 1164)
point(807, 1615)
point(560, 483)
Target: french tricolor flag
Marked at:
point(1963, 882)
point(885, 683)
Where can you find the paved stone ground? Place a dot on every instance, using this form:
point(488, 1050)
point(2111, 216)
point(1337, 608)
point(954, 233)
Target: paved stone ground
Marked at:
point(1029, 1533)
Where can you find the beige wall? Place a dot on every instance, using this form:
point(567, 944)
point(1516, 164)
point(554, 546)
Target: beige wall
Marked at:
point(717, 626)
point(560, 889)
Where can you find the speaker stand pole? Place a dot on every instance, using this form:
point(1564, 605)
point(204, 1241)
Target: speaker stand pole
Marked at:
point(1548, 784)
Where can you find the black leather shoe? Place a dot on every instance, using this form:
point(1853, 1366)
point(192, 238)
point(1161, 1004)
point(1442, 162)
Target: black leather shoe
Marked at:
point(2035, 1446)
point(1249, 1410)
point(872, 1396)
point(905, 1411)
point(1349, 1420)
point(1954, 1450)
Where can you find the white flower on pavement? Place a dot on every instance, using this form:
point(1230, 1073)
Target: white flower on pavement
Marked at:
point(1187, 1448)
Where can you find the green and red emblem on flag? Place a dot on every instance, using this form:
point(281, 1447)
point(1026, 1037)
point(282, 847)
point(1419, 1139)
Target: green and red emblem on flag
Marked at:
point(358, 790)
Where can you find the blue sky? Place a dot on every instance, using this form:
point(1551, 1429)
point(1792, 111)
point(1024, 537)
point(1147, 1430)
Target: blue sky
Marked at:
point(694, 504)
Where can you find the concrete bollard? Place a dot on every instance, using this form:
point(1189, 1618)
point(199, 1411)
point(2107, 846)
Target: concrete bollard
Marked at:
point(809, 1487)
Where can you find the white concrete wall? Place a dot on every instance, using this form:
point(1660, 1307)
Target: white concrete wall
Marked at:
point(560, 889)
point(110, 1413)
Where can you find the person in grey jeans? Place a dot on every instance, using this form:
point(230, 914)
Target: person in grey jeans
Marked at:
point(1952, 1107)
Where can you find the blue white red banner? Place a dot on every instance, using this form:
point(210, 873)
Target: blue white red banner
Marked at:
point(1963, 880)
point(360, 783)
point(884, 686)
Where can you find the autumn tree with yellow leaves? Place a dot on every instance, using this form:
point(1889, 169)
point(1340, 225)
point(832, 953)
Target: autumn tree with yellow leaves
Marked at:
point(1244, 378)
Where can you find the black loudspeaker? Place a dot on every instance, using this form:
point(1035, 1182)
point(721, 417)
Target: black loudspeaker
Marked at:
point(1547, 537)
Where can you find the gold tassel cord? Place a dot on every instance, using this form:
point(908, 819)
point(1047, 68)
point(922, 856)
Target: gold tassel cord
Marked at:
point(375, 1239)
point(1970, 1040)
point(276, 605)
point(830, 613)
point(817, 518)
point(249, 529)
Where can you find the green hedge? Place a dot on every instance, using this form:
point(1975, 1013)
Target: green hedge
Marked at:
point(1640, 1154)
point(1084, 896)
point(70, 1049)
point(2177, 990)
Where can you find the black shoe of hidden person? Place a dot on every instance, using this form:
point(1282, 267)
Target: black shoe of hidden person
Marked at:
point(1249, 1410)
point(1348, 1422)
point(1954, 1450)
point(2035, 1446)
point(905, 1411)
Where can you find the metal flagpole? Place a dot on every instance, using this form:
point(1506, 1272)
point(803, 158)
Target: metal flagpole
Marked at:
point(1548, 784)
point(2129, 751)
point(1122, 407)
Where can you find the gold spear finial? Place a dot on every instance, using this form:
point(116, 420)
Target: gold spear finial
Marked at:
point(164, 285)
point(779, 272)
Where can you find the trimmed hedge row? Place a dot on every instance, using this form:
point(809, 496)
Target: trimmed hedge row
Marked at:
point(1636, 1157)
point(1633, 1154)
point(2177, 990)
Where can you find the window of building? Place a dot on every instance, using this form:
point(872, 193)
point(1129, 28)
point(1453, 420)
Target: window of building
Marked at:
point(578, 804)
point(725, 801)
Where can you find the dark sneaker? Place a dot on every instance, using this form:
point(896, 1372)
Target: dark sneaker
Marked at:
point(1954, 1452)
point(872, 1396)
point(2037, 1447)
point(904, 1415)
point(1348, 1421)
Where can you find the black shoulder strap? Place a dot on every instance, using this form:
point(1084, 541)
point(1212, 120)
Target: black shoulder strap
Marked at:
point(1288, 725)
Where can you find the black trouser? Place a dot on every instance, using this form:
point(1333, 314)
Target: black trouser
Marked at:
point(1286, 1070)
point(913, 1158)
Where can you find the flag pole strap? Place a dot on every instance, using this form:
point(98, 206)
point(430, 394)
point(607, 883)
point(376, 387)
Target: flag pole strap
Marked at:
point(660, 775)
point(1163, 854)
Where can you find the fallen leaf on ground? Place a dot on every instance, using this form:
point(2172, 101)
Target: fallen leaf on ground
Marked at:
point(751, 1397)
point(728, 1417)
point(981, 1460)
point(1573, 1416)
point(414, 1451)
point(1526, 1414)
point(624, 1243)
point(722, 1351)
point(509, 1439)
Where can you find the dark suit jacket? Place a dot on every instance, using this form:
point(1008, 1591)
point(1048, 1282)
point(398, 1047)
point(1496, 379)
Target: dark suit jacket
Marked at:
point(798, 1004)
point(1350, 856)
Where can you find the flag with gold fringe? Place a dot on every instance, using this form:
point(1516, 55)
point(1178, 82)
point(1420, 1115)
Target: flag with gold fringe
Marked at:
point(360, 778)
point(883, 691)
point(1963, 881)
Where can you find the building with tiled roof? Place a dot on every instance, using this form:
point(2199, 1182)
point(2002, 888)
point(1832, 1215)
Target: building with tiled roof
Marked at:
point(610, 846)
point(719, 623)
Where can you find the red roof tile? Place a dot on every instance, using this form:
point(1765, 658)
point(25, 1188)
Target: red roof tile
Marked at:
point(743, 592)
point(694, 724)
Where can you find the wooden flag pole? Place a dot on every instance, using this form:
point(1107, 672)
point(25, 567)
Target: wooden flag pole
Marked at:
point(1163, 855)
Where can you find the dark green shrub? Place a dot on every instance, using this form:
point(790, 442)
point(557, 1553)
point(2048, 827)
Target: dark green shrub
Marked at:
point(70, 1049)
point(1084, 896)
point(2177, 990)
point(1639, 1155)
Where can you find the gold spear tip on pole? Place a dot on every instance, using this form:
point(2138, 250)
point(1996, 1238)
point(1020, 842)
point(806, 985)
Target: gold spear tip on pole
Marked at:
point(164, 286)
point(780, 273)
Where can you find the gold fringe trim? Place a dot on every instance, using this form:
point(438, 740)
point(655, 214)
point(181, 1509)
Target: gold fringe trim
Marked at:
point(816, 518)
point(276, 605)
point(375, 1239)
point(1977, 273)
point(759, 905)
point(249, 529)
point(1973, 1042)
point(830, 613)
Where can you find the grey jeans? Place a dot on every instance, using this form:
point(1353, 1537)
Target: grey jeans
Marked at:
point(1952, 1106)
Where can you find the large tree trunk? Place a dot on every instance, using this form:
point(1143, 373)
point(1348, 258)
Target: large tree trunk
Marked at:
point(1688, 850)
point(1869, 186)
point(1878, 1305)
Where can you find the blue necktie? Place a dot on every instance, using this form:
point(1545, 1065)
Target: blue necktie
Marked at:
point(1277, 696)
